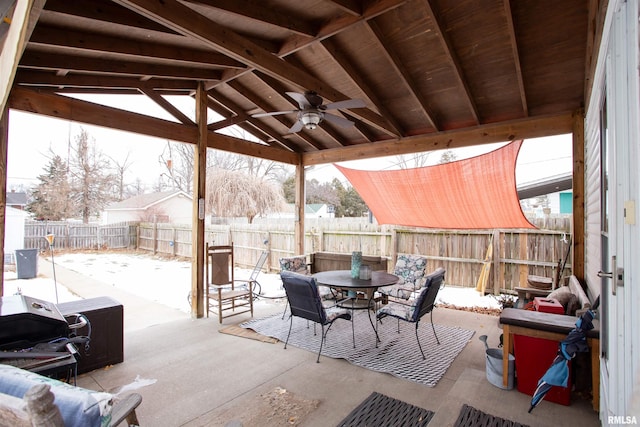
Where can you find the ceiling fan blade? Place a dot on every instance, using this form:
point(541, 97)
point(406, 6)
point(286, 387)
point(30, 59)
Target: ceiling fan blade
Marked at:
point(300, 99)
point(314, 99)
point(297, 127)
point(349, 103)
point(337, 120)
point(275, 113)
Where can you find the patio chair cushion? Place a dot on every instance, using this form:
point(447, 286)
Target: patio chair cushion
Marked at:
point(79, 407)
point(411, 270)
point(402, 311)
point(297, 264)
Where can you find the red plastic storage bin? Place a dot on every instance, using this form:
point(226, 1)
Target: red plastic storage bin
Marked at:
point(535, 355)
point(548, 305)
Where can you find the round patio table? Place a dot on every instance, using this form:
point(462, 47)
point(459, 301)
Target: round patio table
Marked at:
point(341, 280)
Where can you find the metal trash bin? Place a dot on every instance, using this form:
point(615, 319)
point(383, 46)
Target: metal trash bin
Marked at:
point(27, 263)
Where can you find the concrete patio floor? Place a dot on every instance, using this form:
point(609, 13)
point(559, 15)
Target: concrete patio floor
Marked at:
point(206, 378)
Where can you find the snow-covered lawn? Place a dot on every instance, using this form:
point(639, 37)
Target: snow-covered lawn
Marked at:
point(168, 281)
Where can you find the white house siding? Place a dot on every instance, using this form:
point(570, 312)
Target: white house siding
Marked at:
point(617, 74)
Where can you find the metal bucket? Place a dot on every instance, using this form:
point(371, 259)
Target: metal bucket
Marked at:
point(494, 368)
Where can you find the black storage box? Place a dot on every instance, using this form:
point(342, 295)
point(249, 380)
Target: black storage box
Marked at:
point(106, 319)
point(25, 321)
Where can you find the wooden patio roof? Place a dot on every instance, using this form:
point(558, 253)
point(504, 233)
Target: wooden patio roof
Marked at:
point(433, 74)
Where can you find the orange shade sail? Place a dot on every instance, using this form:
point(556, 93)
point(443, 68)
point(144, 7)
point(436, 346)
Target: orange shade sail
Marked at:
point(475, 193)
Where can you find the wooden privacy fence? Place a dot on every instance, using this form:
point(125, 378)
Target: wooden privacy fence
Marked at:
point(515, 254)
point(79, 236)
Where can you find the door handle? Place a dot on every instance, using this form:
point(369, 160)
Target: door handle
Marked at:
point(616, 274)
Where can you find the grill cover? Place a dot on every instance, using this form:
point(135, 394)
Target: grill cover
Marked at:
point(25, 321)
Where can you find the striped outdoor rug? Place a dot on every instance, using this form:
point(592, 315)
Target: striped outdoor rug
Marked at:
point(398, 353)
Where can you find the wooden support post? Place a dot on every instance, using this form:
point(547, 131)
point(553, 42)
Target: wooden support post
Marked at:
point(4, 142)
point(199, 191)
point(300, 201)
point(578, 189)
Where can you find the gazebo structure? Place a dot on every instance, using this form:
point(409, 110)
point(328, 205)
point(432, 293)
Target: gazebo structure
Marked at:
point(431, 75)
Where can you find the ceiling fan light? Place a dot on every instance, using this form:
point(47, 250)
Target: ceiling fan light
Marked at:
point(310, 119)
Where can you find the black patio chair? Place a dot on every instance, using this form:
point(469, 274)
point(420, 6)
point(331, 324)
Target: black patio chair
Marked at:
point(306, 302)
point(413, 310)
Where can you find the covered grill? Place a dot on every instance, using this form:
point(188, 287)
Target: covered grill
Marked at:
point(34, 335)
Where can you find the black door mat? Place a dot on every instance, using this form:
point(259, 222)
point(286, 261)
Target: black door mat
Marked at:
point(472, 417)
point(379, 410)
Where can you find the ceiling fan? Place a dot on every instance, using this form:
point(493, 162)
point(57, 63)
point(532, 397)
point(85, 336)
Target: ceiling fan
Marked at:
point(312, 111)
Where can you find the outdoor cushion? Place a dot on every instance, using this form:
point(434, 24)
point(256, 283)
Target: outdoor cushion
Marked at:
point(79, 407)
point(411, 270)
point(297, 264)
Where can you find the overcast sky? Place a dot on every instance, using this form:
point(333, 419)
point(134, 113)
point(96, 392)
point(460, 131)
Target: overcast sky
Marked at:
point(32, 137)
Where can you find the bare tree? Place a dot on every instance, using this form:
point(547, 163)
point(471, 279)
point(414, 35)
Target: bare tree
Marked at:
point(237, 194)
point(121, 169)
point(415, 160)
point(177, 158)
point(91, 182)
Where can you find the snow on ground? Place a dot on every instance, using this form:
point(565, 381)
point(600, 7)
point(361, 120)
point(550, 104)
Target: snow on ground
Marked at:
point(168, 281)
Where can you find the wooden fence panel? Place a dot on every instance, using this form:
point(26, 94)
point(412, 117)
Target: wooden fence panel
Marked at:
point(461, 252)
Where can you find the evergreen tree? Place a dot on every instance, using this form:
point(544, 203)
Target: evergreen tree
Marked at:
point(50, 199)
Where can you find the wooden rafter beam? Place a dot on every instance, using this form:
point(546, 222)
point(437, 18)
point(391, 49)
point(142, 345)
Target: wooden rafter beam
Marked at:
point(167, 106)
point(49, 61)
point(352, 7)
point(357, 76)
point(48, 79)
point(280, 89)
point(251, 96)
point(532, 127)
point(91, 42)
point(62, 107)
point(261, 12)
point(339, 24)
point(516, 56)
point(390, 52)
point(181, 18)
point(447, 46)
point(234, 115)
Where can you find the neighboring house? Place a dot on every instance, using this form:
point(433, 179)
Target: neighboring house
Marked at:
point(167, 206)
point(314, 210)
point(17, 199)
point(319, 210)
point(14, 232)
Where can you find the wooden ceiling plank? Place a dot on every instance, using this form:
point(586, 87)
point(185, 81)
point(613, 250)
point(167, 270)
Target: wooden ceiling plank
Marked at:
point(357, 77)
point(167, 106)
point(186, 21)
point(531, 127)
point(516, 56)
point(107, 11)
point(67, 38)
point(62, 107)
point(453, 59)
point(47, 61)
point(409, 82)
point(258, 11)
